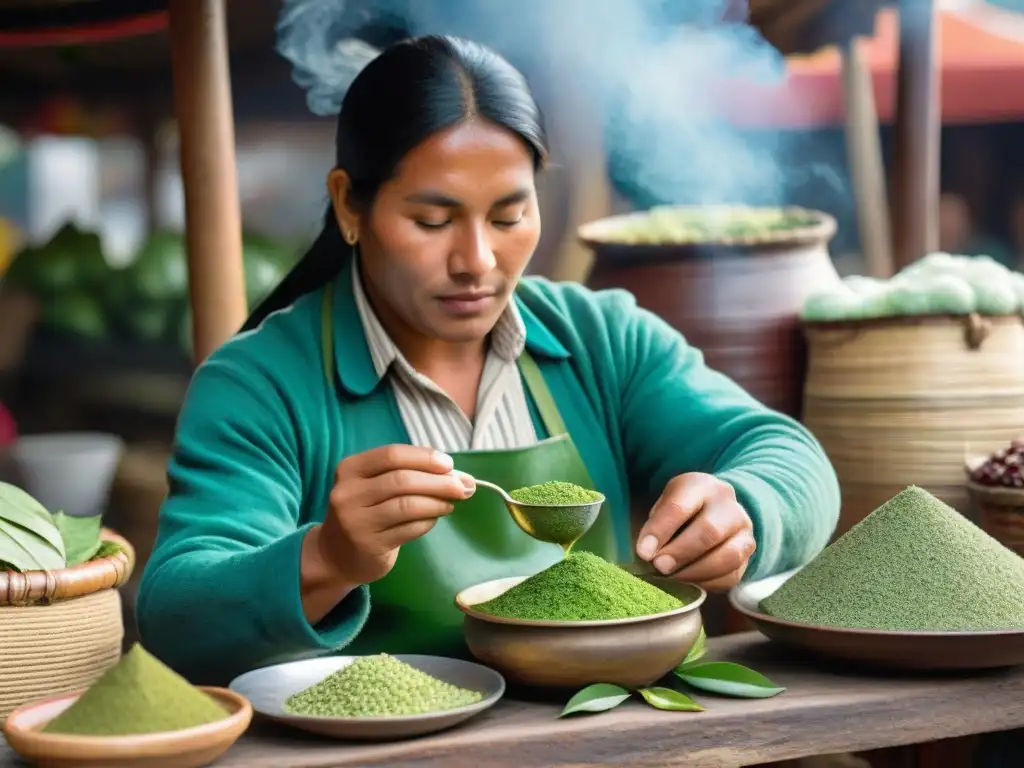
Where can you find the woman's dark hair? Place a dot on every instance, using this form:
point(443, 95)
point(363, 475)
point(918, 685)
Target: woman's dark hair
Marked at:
point(412, 90)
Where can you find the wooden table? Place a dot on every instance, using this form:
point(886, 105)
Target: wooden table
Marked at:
point(825, 710)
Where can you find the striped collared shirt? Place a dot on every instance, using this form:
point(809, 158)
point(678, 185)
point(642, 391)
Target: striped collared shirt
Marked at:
point(430, 416)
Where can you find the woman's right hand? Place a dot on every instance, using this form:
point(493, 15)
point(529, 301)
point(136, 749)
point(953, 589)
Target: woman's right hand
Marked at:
point(382, 499)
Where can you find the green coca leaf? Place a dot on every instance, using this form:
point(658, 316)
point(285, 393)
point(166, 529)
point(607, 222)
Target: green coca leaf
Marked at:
point(700, 647)
point(26, 551)
point(81, 536)
point(728, 679)
point(13, 496)
point(599, 697)
point(107, 548)
point(668, 699)
point(20, 509)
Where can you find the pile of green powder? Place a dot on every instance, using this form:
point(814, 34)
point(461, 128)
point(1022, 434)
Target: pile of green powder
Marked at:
point(137, 695)
point(554, 492)
point(912, 564)
point(379, 686)
point(580, 587)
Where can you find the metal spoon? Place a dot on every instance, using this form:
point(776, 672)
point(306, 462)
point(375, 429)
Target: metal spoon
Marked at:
point(562, 524)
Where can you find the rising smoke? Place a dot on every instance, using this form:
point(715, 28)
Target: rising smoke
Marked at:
point(660, 70)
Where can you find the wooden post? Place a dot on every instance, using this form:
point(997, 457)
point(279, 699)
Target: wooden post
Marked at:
point(867, 166)
point(916, 135)
point(213, 221)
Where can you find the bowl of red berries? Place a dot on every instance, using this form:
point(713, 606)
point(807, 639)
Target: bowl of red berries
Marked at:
point(995, 484)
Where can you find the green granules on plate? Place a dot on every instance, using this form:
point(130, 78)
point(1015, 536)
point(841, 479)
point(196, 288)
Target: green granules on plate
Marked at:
point(379, 686)
point(554, 492)
point(581, 587)
point(912, 564)
point(137, 695)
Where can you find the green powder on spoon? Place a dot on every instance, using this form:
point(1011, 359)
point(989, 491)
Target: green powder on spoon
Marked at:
point(553, 493)
point(580, 587)
point(379, 686)
point(914, 563)
point(137, 695)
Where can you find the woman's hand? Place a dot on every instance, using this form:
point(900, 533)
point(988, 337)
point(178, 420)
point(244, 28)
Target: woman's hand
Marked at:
point(382, 499)
point(717, 537)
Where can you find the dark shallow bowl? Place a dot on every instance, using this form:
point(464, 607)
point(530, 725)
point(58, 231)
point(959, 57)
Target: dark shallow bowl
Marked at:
point(903, 651)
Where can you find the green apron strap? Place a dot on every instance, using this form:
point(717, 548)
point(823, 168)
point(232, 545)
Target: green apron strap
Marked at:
point(527, 365)
point(542, 395)
point(327, 332)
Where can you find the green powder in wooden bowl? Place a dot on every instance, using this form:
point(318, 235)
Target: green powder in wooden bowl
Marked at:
point(580, 587)
point(914, 563)
point(138, 695)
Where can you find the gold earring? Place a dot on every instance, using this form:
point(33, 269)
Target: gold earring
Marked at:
point(351, 237)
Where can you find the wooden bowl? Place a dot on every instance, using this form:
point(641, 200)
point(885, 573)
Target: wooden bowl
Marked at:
point(188, 748)
point(559, 654)
point(911, 651)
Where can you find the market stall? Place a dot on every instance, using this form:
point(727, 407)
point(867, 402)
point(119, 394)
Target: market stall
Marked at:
point(805, 705)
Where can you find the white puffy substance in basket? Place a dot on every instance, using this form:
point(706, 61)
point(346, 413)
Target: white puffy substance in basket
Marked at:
point(938, 284)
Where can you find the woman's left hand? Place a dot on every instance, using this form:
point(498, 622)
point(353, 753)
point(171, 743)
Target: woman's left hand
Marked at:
point(714, 547)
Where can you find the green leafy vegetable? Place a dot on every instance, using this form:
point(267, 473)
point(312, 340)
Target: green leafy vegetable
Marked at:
point(599, 697)
point(76, 313)
point(72, 259)
point(81, 536)
point(669, 699)
point(728, 679)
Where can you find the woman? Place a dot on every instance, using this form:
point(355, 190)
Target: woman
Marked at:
point(321, 489)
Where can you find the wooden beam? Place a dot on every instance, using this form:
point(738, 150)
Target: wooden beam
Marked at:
point(916, 134)
point(213, 221)
point(867, 165)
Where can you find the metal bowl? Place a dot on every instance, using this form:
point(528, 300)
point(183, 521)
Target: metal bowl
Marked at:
point(559, 654)
point(561, 524)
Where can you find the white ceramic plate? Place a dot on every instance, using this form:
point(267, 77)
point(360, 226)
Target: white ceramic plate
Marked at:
point(748, 596)
point(270, 687)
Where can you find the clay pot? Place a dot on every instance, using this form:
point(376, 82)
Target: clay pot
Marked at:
point(737, 299)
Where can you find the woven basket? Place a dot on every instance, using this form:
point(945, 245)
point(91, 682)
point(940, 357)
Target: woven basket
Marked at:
point(60, 630)
point(901, 401)
point(1000, 512)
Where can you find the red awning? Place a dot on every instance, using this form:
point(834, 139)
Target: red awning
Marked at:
point(88, 34)
point(982, 53)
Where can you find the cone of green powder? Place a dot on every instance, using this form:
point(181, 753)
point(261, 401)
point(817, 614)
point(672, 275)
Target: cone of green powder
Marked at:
point(581, 587)
point(914, 564)
point(138, 695)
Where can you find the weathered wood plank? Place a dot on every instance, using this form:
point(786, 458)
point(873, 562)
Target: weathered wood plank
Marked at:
point(825, 710)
